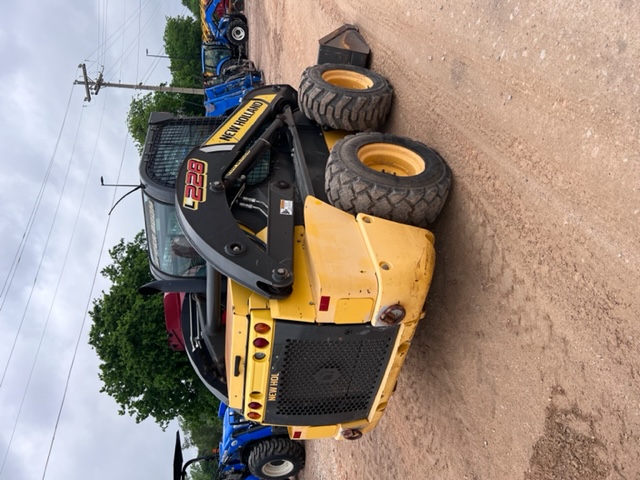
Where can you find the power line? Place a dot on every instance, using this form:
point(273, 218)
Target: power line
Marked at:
point(138, 38)
point(124, 17)
point(96, 271)
point(103, 46)
point(25, 236)
point(86, 309)
point(131, 47)
point(46, 323)
point(104, 42)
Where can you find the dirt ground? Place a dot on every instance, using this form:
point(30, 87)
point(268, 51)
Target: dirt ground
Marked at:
point(528, 365)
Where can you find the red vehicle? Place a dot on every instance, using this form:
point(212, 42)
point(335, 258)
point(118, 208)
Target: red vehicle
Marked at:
point(172, 309)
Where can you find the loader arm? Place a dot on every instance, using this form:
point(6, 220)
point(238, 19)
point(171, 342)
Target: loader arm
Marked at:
point(214, 192)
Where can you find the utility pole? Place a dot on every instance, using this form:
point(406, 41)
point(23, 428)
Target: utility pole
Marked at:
point(87, 98)
point(96, 85)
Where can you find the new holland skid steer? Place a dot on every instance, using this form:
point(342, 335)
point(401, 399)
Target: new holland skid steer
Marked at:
point(301, 247)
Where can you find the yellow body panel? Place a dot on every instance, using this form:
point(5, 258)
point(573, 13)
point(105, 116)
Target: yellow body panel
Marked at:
point(404, 278)
point(339, 263)
point(349, 309)
point(333, 136)
point(258, 370)
point(299, 305)
point(311, 433)
point(237, 329)
point(257, 302)
point(407, 330)
point(364, 265)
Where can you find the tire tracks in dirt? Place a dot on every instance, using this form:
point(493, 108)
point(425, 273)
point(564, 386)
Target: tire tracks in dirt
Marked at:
point(530, 342)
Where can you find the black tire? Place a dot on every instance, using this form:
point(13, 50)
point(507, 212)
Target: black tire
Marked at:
point(237, 67)
point(387, 176)
point(238, 5)
point(227, 64)
point(242, 17)
point(344, 97)
point(237, 32)
point(276, 459)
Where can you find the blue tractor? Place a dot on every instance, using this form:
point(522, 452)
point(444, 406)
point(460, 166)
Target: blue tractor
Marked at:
point(227, 74)
point(222, 98)
point(248, 451)
point(224, 36)
point(227, 79)
point(216, 59)
point(223, 24)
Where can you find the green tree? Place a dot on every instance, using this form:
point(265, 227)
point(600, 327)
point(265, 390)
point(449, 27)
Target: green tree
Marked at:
point(193, 6)
point(141, 108)
point(203, 433)
point(182, 39)
point(138, 369)
point(203, 470)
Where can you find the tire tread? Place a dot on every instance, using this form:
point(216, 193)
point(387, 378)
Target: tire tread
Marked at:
point(275, 446)
point(352, 110)
point(354, 193)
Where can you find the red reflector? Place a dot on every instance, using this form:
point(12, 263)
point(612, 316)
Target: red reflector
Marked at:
point(255, 405)
point(253, 415)
point(261, 343)
point(324, 303)
point(297, 434)
point(262, 328)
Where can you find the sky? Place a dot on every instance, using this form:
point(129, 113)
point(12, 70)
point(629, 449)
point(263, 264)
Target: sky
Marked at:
point(56, 232)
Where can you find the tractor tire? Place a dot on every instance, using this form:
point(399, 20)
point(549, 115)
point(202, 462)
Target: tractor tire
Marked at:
point(238, 5)
point(276, 459)
point(238, 67)
point(344, 97)
point(242, 17)
point(237, 32)
point(387, 176)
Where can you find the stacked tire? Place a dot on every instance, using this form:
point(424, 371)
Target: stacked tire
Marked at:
point(379, 174)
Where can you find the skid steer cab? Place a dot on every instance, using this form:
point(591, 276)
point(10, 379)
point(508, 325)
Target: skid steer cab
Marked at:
point(300, 246)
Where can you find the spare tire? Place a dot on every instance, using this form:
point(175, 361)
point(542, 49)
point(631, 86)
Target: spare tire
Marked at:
point(344, 97)
point(387, 176)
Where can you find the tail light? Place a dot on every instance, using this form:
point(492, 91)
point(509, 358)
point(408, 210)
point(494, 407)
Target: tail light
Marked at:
point(261, 343)
point(262, 328)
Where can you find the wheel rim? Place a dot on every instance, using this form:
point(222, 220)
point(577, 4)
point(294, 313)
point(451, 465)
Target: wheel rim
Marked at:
point(391, 159)
point(347, 79)
point(237, 34)
point(277, 468)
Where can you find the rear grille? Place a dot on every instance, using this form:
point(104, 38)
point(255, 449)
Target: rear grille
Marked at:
point(326, 374)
